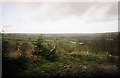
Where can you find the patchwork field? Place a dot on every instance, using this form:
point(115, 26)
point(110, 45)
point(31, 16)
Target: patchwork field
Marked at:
point(60, 55)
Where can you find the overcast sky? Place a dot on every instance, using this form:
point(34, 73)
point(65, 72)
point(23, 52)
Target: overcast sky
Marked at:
point(60, 17)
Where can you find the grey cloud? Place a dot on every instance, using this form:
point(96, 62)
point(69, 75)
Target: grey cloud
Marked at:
point(61, 10)
point(55, 11)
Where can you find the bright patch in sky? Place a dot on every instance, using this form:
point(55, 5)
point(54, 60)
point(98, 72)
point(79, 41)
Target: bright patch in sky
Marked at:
point(60, 17)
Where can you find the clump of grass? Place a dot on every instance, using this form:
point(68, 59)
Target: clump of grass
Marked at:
point(112, 59)
point(85, 58)
point(46, 68)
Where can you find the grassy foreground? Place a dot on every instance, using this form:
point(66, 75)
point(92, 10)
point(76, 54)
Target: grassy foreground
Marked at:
point(71, 65)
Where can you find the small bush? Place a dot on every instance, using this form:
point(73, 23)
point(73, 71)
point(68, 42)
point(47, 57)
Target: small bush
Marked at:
point(44, 52)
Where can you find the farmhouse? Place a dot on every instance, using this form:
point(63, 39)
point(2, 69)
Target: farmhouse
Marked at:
point(81, 43)
point(72, 41)
point(75, 42)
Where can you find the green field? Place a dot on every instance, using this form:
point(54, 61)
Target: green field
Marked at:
point(60, 55)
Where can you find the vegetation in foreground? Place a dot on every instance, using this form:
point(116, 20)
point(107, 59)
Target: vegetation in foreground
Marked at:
point(58, 57)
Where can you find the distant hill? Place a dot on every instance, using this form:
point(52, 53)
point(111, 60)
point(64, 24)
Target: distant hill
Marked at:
point(33, 35)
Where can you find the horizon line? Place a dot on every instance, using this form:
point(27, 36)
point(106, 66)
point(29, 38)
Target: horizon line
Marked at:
point(58, 32)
